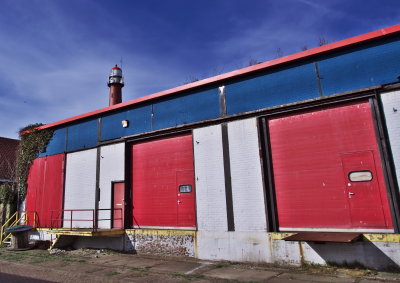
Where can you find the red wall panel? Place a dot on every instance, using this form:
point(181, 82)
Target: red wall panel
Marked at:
point(35, 183)
point(156, 167)
point(45, 189)
point(312, 190)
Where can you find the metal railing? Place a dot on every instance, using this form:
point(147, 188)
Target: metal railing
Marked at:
point(19, 217)
point(59, 218)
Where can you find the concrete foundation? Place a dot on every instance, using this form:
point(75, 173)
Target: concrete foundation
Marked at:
point(375, 251)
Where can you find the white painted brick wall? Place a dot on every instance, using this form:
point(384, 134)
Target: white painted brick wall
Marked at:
point(235, 246)
point(247, 182)
point(210, 180)
point(112, 164)
point(391, 103)
point(80, 186)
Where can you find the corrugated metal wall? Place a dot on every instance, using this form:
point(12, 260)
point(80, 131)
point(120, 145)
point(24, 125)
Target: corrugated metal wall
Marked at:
point(277, 87)
point(194, 107)
point(57, 144)
point(309, 151)
point(391, 107)
point(157, 167)
point(45, 190)
point(82, 135)
point(247, 182)
point(112, 168)
point(80, 186)
point(352, 68)
point(210, 182)
point(139, 122)
point(34, 195)
point(355, 68)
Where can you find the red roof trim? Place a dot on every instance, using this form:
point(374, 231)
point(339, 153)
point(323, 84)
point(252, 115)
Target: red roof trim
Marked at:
point(290, 58)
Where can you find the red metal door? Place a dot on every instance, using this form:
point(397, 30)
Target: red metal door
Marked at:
point(155, 165)
point(307, 151)
point(118, 204)
point(363, 190)
point(45, 191)
point(53, 186)
point(185, 191)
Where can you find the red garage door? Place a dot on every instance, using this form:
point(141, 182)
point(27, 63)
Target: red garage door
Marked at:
point(327, 170)
point(45, 189)
point(163, 183)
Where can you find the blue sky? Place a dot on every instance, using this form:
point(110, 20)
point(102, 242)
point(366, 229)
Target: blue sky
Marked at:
point(55, 56)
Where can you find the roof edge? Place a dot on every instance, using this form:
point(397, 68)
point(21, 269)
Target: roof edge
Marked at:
point(374, 35)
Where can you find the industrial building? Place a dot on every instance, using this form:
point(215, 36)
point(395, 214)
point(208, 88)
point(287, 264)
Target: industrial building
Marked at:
point(293, 161)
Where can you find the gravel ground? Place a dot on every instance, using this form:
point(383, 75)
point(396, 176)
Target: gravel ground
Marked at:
point(88, 265)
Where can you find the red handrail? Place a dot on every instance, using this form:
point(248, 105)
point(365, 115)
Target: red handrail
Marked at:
point(61, 217)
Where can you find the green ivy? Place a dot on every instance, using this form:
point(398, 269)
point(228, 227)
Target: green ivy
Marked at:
point(7, 193)
point(33, 141)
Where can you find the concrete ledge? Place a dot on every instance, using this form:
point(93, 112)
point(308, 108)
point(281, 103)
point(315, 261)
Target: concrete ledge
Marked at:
point(376, 237)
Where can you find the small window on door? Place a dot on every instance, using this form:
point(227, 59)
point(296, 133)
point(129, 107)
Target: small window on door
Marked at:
point(360, 176)
point(185, 188)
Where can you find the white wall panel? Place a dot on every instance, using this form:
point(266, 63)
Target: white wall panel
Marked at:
point(247, 182)
point(210, 182)
point(80, 186)
point(112, 164)
point(391, 107)
point(235, 246)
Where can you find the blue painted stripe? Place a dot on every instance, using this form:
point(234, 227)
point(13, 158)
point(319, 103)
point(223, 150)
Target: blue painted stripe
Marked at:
point(357, 68)
point(82, 135)
point(57, 143)
point(283, 86)
point(139, 121)
point(184, 109)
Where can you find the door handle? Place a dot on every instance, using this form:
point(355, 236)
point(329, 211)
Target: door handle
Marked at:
point(351, 194)
point(179, 202)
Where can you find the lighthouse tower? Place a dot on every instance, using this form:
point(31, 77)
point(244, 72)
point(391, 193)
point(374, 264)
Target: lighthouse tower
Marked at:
point(115, 83)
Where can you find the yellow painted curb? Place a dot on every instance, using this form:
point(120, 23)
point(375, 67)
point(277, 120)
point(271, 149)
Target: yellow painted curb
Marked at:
point(389, 238)
point(161, 232)
point(280, 236)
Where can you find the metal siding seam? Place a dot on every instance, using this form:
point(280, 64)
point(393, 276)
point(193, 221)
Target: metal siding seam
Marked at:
point(97, 192)
point(382, 147)
point(152, 117)
point(222, 101)
point(228, 179)
point(318, 79)
point(128, 185)
point(269, 187)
